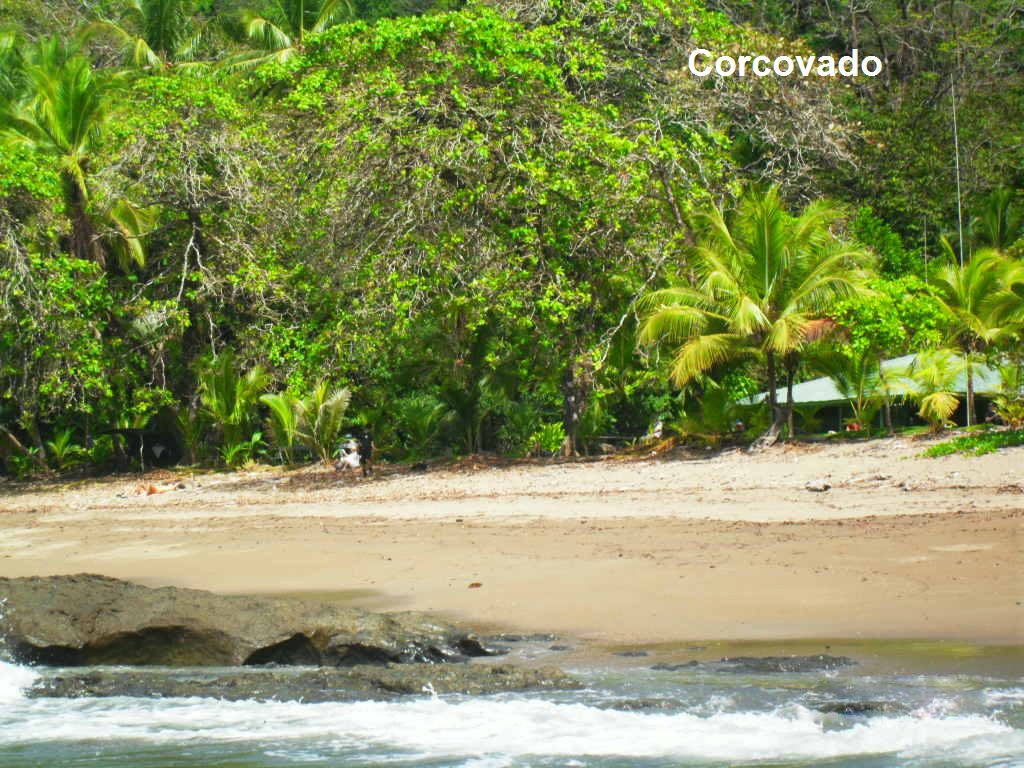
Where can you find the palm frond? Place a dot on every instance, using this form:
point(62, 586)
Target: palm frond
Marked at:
point(702, 353)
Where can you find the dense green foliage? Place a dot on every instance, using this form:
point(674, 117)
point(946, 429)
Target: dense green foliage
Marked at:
point(262, 224)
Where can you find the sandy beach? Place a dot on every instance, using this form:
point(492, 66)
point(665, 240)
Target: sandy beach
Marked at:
point(619, 550)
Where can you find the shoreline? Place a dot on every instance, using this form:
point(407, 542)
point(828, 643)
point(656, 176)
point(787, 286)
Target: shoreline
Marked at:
point(620, 552)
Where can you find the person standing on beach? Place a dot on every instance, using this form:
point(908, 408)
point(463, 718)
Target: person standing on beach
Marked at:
point(366, 450)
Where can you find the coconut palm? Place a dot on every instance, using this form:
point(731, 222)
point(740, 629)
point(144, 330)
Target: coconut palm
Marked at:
point(60, 112)
point(857, 375)
point(970, 296)
point(281, 33)
point(765, 282)
point(153, 34)
point(931, 381)
point(1000, 223)
point(62, 115)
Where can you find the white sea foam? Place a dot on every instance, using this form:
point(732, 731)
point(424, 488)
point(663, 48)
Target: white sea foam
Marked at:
point(13, 681)
point(496, 730)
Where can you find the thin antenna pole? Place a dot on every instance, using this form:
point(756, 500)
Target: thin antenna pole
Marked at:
point(926, 250)
point(956, 160)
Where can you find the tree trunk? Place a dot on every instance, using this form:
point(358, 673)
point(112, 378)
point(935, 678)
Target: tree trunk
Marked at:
point(572, 409)
point(970, 393)
point(32, 426)
point(770, 437)
point(790, 375)
point(84, 242)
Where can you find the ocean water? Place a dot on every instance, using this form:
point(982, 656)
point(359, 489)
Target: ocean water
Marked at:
point(629, 717)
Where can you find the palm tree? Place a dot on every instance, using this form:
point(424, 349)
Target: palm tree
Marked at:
point(283, 421)
point(62, 115)
point(931, 380)
point(970, 297)
point(59, 111)
point(153, 34)
point(1000, 223)
point(281, 34)
point(764, 282)
point(230, 399)
point(320, 418)
point(857, 375)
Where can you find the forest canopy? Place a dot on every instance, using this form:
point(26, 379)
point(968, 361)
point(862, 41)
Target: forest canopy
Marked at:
point(260, 225)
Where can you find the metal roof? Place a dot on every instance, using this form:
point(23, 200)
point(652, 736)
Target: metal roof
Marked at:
point(986, 380)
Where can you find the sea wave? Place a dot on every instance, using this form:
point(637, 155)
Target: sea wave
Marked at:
point(496, 730)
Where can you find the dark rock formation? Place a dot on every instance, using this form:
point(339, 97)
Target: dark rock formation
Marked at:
point(764, 664)
point(861, 707)
point(819, 662)
point(310, 685)
point(95, 620)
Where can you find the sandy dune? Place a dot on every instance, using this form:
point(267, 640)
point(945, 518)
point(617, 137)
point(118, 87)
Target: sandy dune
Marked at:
point(621, 550)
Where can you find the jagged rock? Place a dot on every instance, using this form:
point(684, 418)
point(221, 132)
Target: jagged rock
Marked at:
point(90, 620)
point(358, 683)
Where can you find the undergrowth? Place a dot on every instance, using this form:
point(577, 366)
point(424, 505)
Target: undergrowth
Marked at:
point(977, 445)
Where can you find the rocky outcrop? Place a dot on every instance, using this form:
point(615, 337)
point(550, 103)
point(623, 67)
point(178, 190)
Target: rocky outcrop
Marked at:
point(95, 620)
point(309, 685)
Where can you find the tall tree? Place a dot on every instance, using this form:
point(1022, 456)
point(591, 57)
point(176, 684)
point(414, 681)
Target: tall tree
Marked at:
point(62, 115)
point(153, 34)
point(764, 283)
point(969, 294)
point(281, 33)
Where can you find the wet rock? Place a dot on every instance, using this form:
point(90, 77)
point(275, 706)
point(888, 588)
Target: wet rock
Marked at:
point(95, 620)
point(641, 705)
point(763, 664)
point(360, 683)
point(819, 662)
point(632, 654)
point(666, 667)
point(506, 637)
point(860, 707)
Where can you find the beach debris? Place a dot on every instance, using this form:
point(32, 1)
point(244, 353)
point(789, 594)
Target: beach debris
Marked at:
point(475, 585)
point(818, 486)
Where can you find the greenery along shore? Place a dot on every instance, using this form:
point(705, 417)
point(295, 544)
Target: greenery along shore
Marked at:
point(497, 225)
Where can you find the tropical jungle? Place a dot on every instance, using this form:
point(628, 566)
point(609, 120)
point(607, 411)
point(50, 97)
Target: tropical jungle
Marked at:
point(510, 226)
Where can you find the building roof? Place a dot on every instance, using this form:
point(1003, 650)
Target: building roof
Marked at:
point(986, 381)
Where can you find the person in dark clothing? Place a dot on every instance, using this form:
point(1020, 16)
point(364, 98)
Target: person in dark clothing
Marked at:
point(366, 450)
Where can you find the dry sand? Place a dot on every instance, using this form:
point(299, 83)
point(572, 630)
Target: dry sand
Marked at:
point(633, 550)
